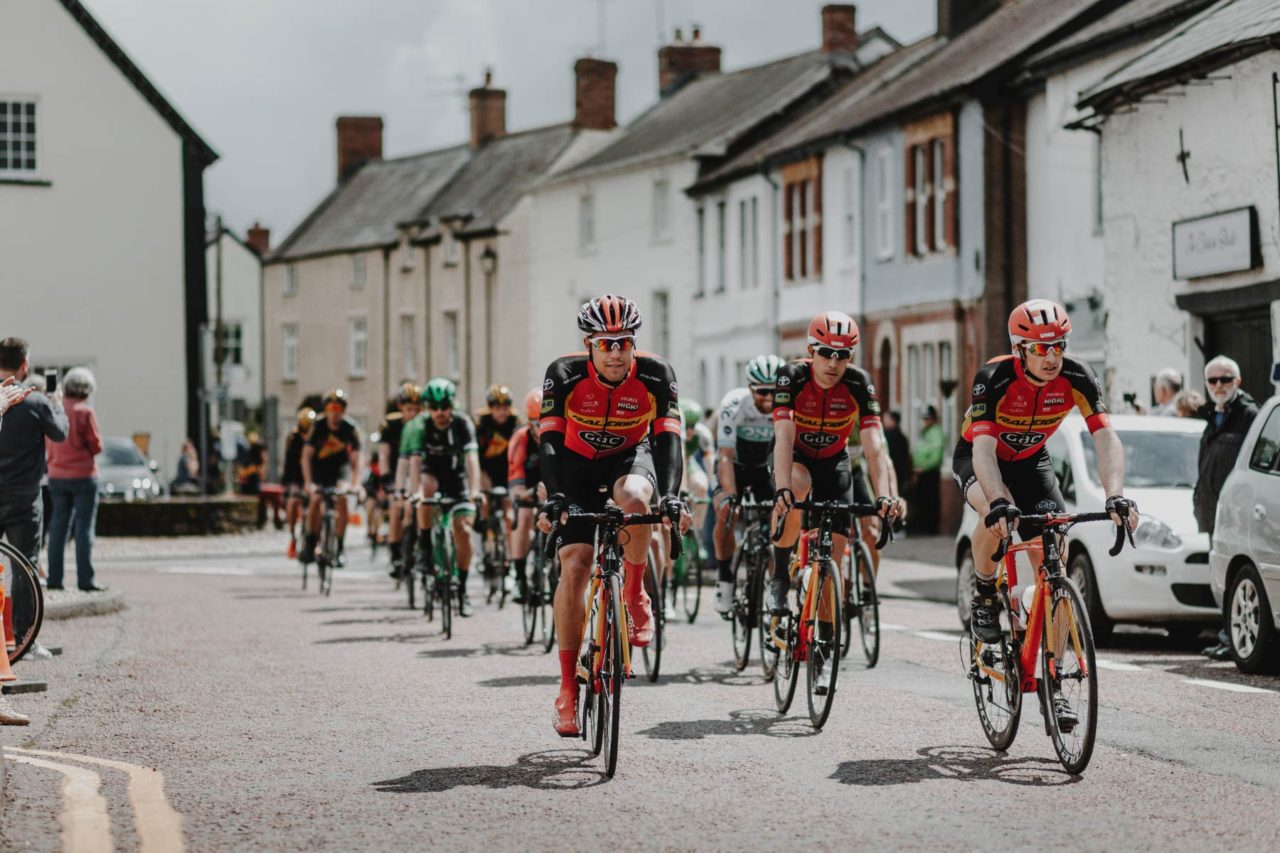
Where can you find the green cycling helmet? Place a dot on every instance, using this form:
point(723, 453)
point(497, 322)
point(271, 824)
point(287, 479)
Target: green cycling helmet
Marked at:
point(691, 412)
point(439, 393)
point(763, 370)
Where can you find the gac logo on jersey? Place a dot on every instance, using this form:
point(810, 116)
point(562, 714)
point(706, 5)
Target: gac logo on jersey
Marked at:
point(819, 440)
point(1021, 440)
point(1047, 505)
point(602, 440)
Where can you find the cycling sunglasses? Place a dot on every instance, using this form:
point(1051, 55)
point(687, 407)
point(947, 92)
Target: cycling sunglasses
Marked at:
point(832, 353)
point(439, 407)
point(623, 344)
point(763, 391)
point(1219, 380)
point(1042, 349)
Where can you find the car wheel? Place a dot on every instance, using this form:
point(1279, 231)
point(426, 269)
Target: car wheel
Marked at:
point(966, 587)
point(1250, 630)
point(1080, 571)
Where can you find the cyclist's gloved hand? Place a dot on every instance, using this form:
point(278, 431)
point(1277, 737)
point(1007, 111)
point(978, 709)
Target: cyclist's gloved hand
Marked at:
point(553, 508)
point(1001, 517)
point(783, 501)
point(1123, 509)
point(671, 506)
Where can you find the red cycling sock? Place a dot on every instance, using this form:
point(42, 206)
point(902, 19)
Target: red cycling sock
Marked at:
point(633, 577)
point(568, 669)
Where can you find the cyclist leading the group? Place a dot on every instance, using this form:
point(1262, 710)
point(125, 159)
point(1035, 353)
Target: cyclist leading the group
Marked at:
point(611, 419)
point(819, 401)
point(332, 454)
point(1001, 463)
point(744, 444)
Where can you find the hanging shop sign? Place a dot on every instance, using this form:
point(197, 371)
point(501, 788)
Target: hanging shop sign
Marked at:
point(1216, 244)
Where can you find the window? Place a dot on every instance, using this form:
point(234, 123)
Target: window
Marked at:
point(721, 253)
point(939, 205)
point(755, 243)
point(1267, 449)
point(357, 346)
point(17, 138)
point(408, 346)
point(850, 223)
point(799, 231)
point(449, 248)
point(802, 218)
point(586, 222)
point(662, 322)
point(702, 252)
point(744, 247)
point(930, 183)
point(661, 209)
point(232, 344)
point(946, 374)
point(289, 351)
point(291, 280)
point(357, 272)
point(919, 202)
point(452, 356)
point(884, 204)
point(915, 402)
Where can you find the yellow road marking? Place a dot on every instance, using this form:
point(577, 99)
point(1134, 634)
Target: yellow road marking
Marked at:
point(85, 827)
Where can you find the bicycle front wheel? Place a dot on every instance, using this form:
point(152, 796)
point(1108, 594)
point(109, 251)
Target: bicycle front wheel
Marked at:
point(652, 653)
point(769, 651)
point(996, 674)
point(1069, 675)
point(552, 581)
point(868, 605)
point(612, 675)
point(822, 663)
point(744, 612)
point(691, 584)
point(27, 601)
point(786, 668)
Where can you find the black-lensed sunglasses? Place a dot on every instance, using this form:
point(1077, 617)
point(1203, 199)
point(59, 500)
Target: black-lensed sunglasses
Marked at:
point(763, 392)
point(834, 354)
point(1219, 380)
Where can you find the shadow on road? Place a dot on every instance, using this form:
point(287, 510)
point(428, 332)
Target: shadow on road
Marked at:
point(957, 763)
point(751, 722)
point(378, 620)
point(521, 681)
point(408, 639)
point(553, 770)
point(514, 650)
point(723, 674)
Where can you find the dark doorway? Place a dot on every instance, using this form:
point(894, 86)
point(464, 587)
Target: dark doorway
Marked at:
point(1246, 337)
point(885, 374)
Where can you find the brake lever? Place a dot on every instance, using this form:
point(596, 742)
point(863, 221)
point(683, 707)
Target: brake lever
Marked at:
point(1122, 530)
point(886, 533)
point(1000, 552)
point(553, 537)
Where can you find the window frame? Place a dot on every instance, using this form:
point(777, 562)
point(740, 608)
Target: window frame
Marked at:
point(884, 203)
point(920, 220)
point(452, 343)
point(409, 345)
point(290, 280)
point(849, 230)
point(289, 351)
point(232, 345)
point(937, 151)
point(755, 243)
point(357, 346)
point(722, 246)
point(33, 173)
point(744, 247)
point(700, 218)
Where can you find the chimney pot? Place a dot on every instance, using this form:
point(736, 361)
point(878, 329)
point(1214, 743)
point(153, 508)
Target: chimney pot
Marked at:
point(488, 112)
point(697, 34)
point(359, 141)
point(680, 62)
point(679, 39)
point(259, 239)
point(839, 28)
point(596, 94)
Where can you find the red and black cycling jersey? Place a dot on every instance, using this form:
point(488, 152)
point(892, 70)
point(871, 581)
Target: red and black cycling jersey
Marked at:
point(493, 438)
point(1021, 415)
point(824, 417)
point(584, 415)
point(523, 459)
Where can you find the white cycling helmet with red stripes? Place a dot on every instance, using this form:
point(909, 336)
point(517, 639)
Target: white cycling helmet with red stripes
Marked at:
point(833, 329)
point(1038, 321)
point(609, 314)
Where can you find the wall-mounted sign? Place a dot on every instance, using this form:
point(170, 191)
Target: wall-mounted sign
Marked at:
point(1216, 244)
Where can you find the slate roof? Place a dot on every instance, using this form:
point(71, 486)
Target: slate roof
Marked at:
point(1218, 36)
point(139, 80)
point(495, 178)
point(1135, 18)
point(707, 114)
point(364, 211)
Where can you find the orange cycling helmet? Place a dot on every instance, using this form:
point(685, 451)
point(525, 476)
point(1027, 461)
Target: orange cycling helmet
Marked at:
point(609, 313)
point(499, 395)
point(1038, 320)
point(533, 405)
point(833, 329)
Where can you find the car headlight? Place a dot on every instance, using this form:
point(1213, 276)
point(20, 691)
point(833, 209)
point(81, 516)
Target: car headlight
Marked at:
point(1154, 533)
point(137, 484)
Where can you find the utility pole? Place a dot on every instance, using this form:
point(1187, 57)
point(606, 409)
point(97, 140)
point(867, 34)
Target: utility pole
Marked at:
point(219, 344)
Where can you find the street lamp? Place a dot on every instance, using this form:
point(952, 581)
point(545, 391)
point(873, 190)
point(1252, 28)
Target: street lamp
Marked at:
point(489, 266)
point(489, 261)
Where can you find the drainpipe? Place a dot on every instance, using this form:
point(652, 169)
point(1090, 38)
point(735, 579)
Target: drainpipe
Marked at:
point(467, 315)
point(773, 263)
point(386, 328)
point(1275, 117)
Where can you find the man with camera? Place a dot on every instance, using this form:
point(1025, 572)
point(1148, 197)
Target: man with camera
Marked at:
point(22, 451)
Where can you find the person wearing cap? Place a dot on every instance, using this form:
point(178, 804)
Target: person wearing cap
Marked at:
point(926, 458)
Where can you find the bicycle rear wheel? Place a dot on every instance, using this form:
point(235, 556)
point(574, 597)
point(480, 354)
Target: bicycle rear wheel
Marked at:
point(532, 608)
point(612, 676)
point(551, 581)
point(769, 651)
point(28, 601)
point(1073, 671)
point(996, 674)
point(652, 653)
point(744, 611)
point(787, 669)
point(691, 585)
point(822, 664)
point(868, 605)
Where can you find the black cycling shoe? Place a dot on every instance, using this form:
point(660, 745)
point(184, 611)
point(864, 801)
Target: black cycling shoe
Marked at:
point(984, 615)
point(464, 603)
point(1067, 717)
point(778, 596)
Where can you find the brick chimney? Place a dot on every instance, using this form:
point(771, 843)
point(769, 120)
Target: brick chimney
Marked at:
point(359, 141)
point(259, 239)
point(681, 61)
point(595, 95)
point(839, 28)
point(956, 16)
point(488, 112)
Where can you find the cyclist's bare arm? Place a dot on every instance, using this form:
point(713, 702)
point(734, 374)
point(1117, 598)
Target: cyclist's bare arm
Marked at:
point(784, 440)
point(987, 469)
point(724, 471)
point(473, 470)
point(354, 455)
point(877, 465)
point(415, 474)
point(1111, 465)
point(384, 457)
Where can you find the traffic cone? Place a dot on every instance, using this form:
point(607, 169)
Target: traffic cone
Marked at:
point(6, 673)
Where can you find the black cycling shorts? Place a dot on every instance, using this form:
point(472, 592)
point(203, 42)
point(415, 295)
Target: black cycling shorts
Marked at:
point(329, 477)
point(588, 484)
point(1031, 482)
point(756, 481)
point(451, 484)
point(832, 480)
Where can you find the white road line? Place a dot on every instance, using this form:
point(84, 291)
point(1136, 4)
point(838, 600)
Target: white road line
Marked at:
point(159, 826)
point(885, 626)
point(206, 570)
point(1116, 665)
point(1226, 685)
point(939, 636)
point(85, 826)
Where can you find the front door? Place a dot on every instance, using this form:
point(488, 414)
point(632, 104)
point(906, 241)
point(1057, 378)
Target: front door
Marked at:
point(1245, 337)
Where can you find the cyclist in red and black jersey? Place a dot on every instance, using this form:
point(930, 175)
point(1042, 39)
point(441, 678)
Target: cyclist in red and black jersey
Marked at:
point(611, 419)
point(524, 478)
point(1000, 461)
point(818, 403)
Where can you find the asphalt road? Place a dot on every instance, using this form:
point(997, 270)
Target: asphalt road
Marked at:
point(237, 712)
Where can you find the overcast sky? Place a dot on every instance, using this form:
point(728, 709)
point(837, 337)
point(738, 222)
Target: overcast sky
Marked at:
point(263, 80)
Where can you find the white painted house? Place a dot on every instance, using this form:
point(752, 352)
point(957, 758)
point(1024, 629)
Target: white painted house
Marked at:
point(234, 267)
point(91, 153)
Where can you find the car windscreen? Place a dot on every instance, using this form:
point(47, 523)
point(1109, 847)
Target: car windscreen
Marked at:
point(1151, 459)
point(122, 454)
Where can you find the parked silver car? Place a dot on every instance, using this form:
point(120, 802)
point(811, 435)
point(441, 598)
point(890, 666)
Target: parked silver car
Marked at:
point(1245, 557)
point(123, 472)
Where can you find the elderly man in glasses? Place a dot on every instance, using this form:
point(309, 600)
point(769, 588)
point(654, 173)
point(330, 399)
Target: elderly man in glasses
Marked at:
point(1228, 413)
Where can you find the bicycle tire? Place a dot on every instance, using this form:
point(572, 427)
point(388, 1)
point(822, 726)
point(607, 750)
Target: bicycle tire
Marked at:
point(691, 585)
point(996, 674)
point(743, 613)
point(304, 574)
point(548, 604)
point(592, 731)
point(28, 601)
point(849, 610)
point(652, 653)
point(530, 608)
point(868, 604)
point(823, 658)
point(503, 566)
point(787, 671)
point(769, 652)
point(1074, 748)
point(446, 606)
point(611, 692)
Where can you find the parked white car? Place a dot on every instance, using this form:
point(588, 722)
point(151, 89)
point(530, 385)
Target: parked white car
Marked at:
point(1164, 581)
point(1245, 558)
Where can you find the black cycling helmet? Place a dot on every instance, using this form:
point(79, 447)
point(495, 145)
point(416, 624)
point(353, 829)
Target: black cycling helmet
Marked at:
point(499, 395)
point(336, 397)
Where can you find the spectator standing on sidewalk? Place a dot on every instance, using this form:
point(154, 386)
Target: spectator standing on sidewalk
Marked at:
point(1187, 404)
point(186, 480)
point(927, 458)
point(1167, 386)
point(899, 448)
point(22, 452)
point(73, 482)
point(1228, 414)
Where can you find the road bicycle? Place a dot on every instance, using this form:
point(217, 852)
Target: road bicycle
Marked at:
point(750, 566)
point(861, 602)
point(493, 532)
point(441, 583)
point(1047, 650)
point(404, 563)
point(605, 660)
point(810, 633)
point(327, 549)
point(542, 577)
point(686, 570)
point(23, 602)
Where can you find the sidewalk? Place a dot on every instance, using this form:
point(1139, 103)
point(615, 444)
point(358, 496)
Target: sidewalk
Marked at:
point(921, 567)
point(70, 603)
